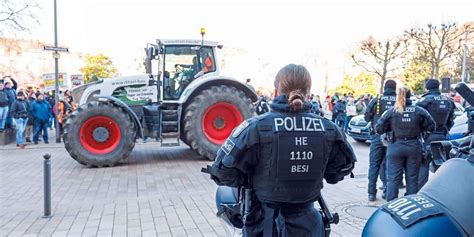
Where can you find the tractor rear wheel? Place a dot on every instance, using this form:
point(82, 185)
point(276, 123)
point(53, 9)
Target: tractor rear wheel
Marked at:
point(212, 115)
point(99, 134)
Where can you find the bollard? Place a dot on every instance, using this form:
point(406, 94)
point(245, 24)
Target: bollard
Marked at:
point(47, 185)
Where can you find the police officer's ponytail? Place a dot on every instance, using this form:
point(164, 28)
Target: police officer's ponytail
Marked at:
point(295, 100)
point(295, 82)
point(402, 94)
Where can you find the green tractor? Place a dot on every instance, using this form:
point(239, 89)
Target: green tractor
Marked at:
point(186, 100)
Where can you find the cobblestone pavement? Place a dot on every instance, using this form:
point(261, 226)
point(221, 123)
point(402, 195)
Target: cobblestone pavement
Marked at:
point(156, 192)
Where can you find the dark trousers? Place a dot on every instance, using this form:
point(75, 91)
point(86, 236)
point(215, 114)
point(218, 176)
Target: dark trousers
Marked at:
point(377, 164)
point(425, 161)
point(403, 155)
point(40, 126)
point(291, 220)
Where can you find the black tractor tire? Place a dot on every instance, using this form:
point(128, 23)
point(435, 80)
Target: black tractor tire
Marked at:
point(72, 134)
point(194, 112)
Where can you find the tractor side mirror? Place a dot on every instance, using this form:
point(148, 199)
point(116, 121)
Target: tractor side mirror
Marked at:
point(149, 56)
point(147, 66)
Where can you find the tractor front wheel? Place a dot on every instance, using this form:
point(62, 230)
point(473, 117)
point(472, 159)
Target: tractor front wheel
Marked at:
point(99, 134)
point(212, 115)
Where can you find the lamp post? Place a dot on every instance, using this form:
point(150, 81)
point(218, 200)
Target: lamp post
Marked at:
point(56, 75)
point(464, 59)
point(56, 56)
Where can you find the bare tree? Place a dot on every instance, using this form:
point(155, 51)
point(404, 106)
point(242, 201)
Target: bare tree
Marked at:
point(15, 15)
point(437, 44)
point(380, 57)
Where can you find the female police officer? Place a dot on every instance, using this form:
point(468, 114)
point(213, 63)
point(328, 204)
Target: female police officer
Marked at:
point(407, 123)
point(285, 154)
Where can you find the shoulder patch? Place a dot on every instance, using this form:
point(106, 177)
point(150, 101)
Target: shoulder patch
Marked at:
point(240, 129)
point(228, 146)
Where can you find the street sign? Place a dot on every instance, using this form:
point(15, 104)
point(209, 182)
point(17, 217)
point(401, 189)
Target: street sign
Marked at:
point(58, 49)
point(56, 55)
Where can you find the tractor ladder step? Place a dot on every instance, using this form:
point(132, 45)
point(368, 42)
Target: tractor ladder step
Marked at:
point(169, 123)
point(169, 115)
point(170, 120)
point(170, 139)
point(170, 135)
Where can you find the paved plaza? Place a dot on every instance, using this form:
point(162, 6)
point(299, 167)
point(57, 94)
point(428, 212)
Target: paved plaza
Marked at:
point(156, 192)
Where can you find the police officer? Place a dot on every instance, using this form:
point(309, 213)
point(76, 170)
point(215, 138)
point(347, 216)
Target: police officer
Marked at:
point(375, 109)
point(407, 123)
point(285, 154)
point(441, 108)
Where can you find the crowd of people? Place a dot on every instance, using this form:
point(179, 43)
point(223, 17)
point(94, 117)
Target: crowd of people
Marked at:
point(30, 113)
point(340, 109)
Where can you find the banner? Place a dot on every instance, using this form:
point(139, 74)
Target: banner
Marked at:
point(49, 81)
point(76, 80)
point(141, 93)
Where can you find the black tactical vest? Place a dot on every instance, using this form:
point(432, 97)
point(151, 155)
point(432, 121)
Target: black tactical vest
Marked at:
point(383, 104)
point(440, 107)
point(406, 124)
point(292, 158)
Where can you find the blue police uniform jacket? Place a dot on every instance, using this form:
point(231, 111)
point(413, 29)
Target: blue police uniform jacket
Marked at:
point(285, 155)
point(378, 105)
point(441, 108)
point(410, 124)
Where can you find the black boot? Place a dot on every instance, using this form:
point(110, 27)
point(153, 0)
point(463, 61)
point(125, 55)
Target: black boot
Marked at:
point(371, 198)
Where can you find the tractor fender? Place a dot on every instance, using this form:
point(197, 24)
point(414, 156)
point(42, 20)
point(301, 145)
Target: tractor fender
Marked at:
point(204, 82)
point(127, 108)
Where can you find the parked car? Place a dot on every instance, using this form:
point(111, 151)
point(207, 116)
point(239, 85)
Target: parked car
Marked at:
point(359, 129)
point(459, 128)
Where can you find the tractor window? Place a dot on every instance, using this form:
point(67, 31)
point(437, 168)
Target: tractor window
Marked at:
point(181, 64)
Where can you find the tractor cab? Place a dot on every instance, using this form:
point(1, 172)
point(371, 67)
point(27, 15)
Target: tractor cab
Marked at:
point(179, 62)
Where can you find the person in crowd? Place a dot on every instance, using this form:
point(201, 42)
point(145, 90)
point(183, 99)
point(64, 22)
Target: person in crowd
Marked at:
point(441, 108)
point(29, 130)
point(50, 98)
point(72, 105)
point(339, 112)
point(315, 105)
point(327, 108)
point(407, 123)
point(64, 110)
point(4, 102)
point(377, 153)
point(284, 199)
point(41, 111)
point(19, 112)
point(318, 99)
point(67, 95)
point(351, 110)
point(335, 98)
point(11, 98)
point(361, 104)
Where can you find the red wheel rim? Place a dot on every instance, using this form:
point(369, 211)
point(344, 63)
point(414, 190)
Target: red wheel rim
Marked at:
point(219, 120)
point(108, 139)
